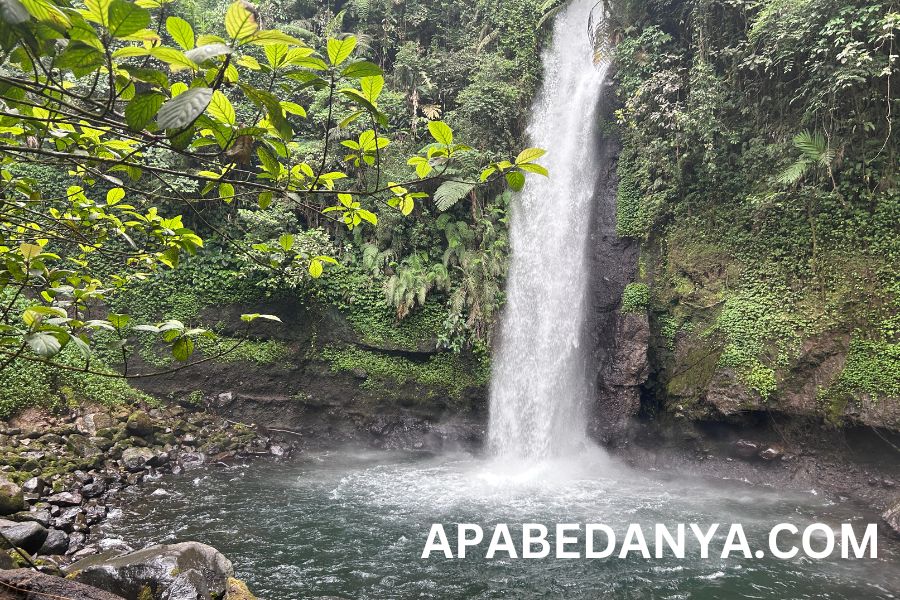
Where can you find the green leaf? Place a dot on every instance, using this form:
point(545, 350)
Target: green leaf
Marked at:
point(340, 50)
point(13, 13)
point(441, 132)
point(176, 59)
point(451, 192)
point(114, 196)
point(43, 343)
point(220, 108)
point(126, 18)
point(534, 168)
point(181, 31)
point(361, 100)
point(240, 22)
point(273, 36)
point(183, 348)
point(226, 192)
point(371, 87)
point(207, 51)
point(29, 251)
point(142, 108)
point(315, 268)
point(286, 241)
point(529, 155)
point(516, 180)
point(248, 317)
point(118, 320)
point(81, 58)
point(362, 68)
point(182, 110)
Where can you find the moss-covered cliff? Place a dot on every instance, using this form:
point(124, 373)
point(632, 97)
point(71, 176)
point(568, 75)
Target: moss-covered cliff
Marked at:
point(758, 171)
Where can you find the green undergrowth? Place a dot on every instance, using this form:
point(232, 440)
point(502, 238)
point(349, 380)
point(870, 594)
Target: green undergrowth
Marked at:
point(25, 384)
point(453, 372)
point(361, 300)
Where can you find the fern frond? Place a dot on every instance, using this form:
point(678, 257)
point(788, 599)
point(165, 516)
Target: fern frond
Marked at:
point(451, 192)
point(793, 173)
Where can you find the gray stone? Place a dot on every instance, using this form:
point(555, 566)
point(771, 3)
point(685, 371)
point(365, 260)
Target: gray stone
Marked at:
point(94, 489)
point(35, 485)
point(191, 460)
point(135, 459)
point(189, 585)
point(11, 498)
point(40, 585)
point(92, 423)
point(892, 517)
point(82, 446)
point(771, 452)
point(57, 542)
point(38, 516)
point(746, 449)
point(140, 424)
point(29, 535)
point(66, 499)
point(153, 567)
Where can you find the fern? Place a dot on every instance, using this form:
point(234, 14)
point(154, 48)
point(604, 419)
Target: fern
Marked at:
point(451, 192)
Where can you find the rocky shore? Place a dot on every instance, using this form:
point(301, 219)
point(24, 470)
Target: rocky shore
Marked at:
point(62, 474)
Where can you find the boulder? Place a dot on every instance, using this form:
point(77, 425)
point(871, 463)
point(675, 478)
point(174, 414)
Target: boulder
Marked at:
point(191, 460)
point(134, 459)
point(771, 452)
point(94, 489)
point(188, 585)
point(892, 517)
point(40, 585)
point(140, 424)
point(66, 499)
point(11, 498)
point(155, 568)
point(29, 536)
point(38, 516)
point(746, 448)
point(57, 542)
point(236, 589)
point(94, 422)
point(82, 446)
point(35, 485)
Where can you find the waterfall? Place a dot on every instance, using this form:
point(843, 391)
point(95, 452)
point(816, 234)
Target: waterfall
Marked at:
point(540, 380)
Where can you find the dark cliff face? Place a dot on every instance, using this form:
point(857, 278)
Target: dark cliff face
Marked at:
point(619, 341)
point(311, 392)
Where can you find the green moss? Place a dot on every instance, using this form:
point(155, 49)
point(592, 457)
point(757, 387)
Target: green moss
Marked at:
point(635, 298)
point(452, 372)
point(258, 351)
point(25, 384)
point(872, 368)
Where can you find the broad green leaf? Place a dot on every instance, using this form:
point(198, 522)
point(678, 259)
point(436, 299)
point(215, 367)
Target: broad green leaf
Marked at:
point(142, 108)
point(340, 50)
point(362, 68)
point(81, 58)
point(182, 110)
point(371, 87)
point(114, 196)
point(220, 108)
point(13, 12)
point(226, 192)
point(529, 155)
point(181, 31)
point(273, 36)
point(29, 251)
point(43, 343)
point(240, 22)
point(126, 18)
point(441, 132)
point(45, 11)
point(183, 348)
point(516, 180)
point(286, 241)
point(176, 59)
point(535, 168)
point(315, 268)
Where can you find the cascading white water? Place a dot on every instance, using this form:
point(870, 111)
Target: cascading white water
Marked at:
point(540, 381)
